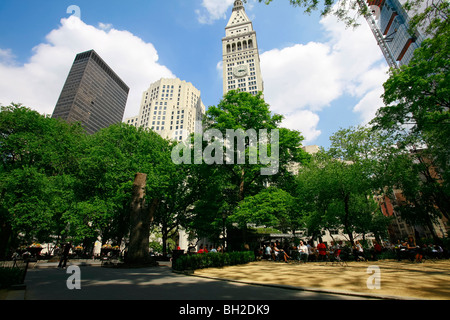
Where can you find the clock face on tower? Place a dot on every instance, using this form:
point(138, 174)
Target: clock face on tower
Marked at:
point(240, 71)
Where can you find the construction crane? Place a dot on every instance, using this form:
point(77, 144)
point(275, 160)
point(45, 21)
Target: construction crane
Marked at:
point(378, 35)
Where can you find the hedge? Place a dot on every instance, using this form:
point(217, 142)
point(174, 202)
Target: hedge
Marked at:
point(212, 260)
point(10, 277)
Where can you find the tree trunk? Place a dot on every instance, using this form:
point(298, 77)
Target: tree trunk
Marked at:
point(241, 186)
point(5, 240)
point(140, 220)
point(346, 219)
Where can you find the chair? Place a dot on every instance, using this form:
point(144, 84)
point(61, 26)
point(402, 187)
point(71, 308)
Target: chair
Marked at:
point(338, 260)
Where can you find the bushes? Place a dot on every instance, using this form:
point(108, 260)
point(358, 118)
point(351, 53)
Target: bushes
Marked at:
point(10, 277)
point(212, 260)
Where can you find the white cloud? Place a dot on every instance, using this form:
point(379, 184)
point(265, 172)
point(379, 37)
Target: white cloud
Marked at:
point(6, 56)
point(304, 121)
point(301, 80)
point(299, 77)
point(369, 104)
point(38, 83)
point(213, 10)
point(105, 26)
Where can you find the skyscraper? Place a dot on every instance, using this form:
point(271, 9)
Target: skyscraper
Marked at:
point(241, 63)
point(171, 107)
point(393, 24)
point(93, 94)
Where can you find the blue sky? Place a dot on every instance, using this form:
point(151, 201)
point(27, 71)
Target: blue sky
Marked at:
point(318, 74)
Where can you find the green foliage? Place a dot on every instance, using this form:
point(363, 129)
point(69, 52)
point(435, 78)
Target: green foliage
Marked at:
point(271, 207)
point(156, 247)
point(346, 11)
point(339, 185)
point(225, 186)
point(57, 181)
point(106, 173)
point(39, 155)
point(417, 116)
point(10, 277)
point(212, 260)
point(431, 18)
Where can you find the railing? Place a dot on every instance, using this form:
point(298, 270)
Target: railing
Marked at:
point(20, 264)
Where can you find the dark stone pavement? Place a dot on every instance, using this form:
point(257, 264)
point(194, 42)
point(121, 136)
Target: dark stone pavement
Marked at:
point(46, 282)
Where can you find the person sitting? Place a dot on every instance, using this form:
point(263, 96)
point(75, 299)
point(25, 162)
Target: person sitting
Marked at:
point(401, 249)
point(312, 251)
point(202, 249)
point(376, 250)
point(439, 252)
point(280, 254)
point(303, 252)
point(322, 249)
point(268, 252)
point(414, 253)
point(358, 251)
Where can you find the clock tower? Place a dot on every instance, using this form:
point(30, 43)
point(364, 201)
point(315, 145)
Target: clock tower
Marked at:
point(241, 64)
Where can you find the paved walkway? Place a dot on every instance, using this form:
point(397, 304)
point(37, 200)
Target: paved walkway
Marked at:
point(264, 280)
point(398, 280)
point(46, 282)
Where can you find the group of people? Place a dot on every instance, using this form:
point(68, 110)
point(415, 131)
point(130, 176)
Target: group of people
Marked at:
point(275, 252)
point(411, 250)
point(306, 251)
point(204, 249)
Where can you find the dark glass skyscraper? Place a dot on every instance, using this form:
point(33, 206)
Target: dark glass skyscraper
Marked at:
point(93, 94)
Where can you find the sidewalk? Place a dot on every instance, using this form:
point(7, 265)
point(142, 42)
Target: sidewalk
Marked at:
point(18, 292)
point(398, 280)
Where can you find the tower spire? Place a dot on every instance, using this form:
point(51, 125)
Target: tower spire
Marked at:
point(238, 5)
point(241, 63)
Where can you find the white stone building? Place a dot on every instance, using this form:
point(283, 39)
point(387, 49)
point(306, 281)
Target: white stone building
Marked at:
point(171, 107)
point(241, 62)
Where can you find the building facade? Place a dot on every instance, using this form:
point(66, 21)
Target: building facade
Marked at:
point(171, 107)
point(93, 94)
point(393, 22)
point(241, 62)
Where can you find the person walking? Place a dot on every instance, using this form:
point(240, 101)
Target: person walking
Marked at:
point(65, 255)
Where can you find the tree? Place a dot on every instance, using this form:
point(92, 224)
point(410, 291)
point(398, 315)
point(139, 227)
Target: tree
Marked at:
point(340, 184)
point(416, 113)
point(430, 17)
point(254, 142)
point(140, 221)
point(341, 9)
point(107, 171)
point(243, 114)
point(180, 193)
point(39, 158)
point(271, 207)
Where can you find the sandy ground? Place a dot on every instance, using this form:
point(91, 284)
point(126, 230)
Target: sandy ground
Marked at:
point(406, 280)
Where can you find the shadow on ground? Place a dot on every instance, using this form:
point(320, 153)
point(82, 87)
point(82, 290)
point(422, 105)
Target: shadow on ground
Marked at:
point(428, 280)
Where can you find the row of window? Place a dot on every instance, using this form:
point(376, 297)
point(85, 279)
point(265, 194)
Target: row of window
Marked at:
point(240, 57)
